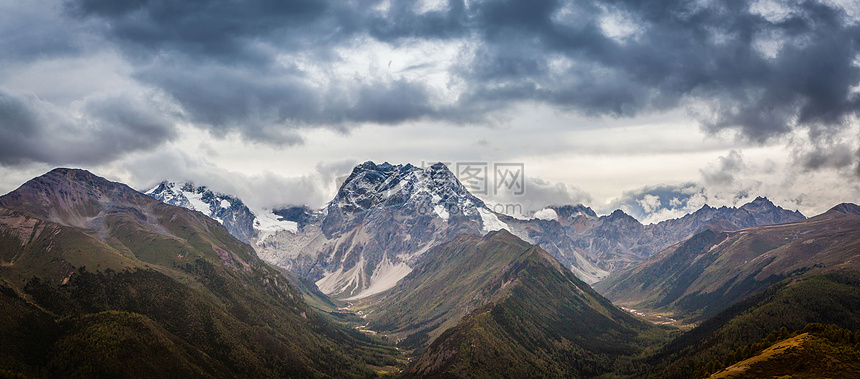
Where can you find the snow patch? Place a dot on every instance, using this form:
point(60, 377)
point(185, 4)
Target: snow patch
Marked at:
point(490, 221)
point(225, 204)
point(548, 214)
point(197, 203)
point(169, 195)
point(267, 223)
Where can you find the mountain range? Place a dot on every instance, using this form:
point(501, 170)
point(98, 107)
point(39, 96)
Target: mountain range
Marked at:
point(385, 217)
point(99, 280)
point(244, 224)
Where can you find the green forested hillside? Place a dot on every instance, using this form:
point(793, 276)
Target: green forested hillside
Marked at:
point(830, 298)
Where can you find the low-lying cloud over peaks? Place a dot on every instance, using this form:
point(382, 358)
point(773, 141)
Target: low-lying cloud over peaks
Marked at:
point(258, 190)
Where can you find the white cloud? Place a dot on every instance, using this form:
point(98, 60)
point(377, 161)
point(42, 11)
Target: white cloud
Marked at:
point(650, 203)
point(546, 214)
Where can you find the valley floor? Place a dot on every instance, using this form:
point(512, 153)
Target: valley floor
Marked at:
point(658, 318)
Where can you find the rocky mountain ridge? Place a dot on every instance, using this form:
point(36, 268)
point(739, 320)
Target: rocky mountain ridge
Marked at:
point(594, 246)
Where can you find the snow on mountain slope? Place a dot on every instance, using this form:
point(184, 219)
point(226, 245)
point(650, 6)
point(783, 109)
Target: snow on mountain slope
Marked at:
point(434, 189)
point(268, 223)
point(490, 222)
point(230, 211)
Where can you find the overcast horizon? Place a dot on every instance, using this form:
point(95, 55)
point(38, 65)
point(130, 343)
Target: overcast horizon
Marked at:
point(655, 108)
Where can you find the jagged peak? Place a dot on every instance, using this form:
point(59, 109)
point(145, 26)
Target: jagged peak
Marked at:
point(619, 215)
point(178, 186)
point(760, 202)
point(164, 185)
point(371, 185)
point(761, 199)
point(381, 167)
point(439, 166)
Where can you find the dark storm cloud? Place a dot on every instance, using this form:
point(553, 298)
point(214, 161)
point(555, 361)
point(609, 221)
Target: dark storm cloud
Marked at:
point(401, 22)
point(836, 156)
point(219, 60)
point(107, 127)
point(763, 70)
point(677, 52)
point(216, 28)
point(266, 104)
point(31, 32)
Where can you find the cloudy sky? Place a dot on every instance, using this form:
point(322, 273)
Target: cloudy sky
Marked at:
point(655, 107)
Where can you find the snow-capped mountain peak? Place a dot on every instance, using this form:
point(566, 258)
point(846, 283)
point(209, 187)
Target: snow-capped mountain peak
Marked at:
point(432, 189)
point(171, 193)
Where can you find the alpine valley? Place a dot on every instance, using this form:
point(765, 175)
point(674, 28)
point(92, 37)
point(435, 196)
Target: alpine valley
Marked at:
point(405, 273)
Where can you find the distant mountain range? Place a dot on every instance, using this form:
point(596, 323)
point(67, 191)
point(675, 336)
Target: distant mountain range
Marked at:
point(713, 269)
point(385, 217)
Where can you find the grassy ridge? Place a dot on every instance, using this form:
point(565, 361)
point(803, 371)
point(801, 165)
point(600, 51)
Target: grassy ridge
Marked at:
point(817, 351)
point(52, 251)
point(454, 279)
point(547, 323)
